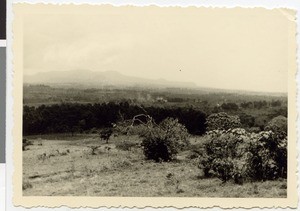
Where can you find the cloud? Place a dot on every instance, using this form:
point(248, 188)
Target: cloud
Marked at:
point(215, 48)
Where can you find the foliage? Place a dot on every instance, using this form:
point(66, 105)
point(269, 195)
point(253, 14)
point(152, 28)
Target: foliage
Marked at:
point(247, 120)
point(278, 125)
point(222, 121)
point(229, 106)
point(163, 142)
point(77, 118)
point(254, 130)
point(105, 134)
point(268, 158)
point(224, 153)
point(239, 155)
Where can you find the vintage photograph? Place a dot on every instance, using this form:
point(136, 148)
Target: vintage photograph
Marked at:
point(156, 102)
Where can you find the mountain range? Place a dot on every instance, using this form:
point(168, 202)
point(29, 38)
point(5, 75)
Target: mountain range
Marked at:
point(88, 78)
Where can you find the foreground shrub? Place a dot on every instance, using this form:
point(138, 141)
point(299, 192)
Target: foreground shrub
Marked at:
point(163, 142)
point(268, 158)
point(222, 121)
point(224, 154)
point(239, 155)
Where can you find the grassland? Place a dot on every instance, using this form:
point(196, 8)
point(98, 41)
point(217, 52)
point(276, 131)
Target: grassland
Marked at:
point(64, 166)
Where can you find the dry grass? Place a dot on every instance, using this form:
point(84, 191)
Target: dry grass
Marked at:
point(114, 172)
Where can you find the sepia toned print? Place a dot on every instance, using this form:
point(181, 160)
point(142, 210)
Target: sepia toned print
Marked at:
point(154, 106)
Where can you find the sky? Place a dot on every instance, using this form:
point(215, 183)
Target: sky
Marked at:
point(241, 49)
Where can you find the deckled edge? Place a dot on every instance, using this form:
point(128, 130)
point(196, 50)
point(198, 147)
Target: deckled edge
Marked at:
point(18, 202)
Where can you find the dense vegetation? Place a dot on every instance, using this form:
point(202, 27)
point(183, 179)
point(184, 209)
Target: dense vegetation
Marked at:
point(73, 118)
point(245, 137)
point(71, 110)
point(239, 155)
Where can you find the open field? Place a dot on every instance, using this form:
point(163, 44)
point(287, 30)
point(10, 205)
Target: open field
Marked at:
point(64, 165)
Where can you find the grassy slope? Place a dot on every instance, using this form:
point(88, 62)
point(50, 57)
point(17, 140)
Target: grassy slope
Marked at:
point(116, 172)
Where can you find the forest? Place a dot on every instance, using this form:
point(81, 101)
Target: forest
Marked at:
point(191, 108)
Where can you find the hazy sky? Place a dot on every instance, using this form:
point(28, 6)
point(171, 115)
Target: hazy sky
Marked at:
point(232, 49)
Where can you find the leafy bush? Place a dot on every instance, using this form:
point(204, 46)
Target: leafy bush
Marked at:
point(278, 125)
point(222, 121)
point(239, 155)
point(268, 158)
point(224, 153)
point(163, 142)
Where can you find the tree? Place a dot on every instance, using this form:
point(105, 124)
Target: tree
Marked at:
point(222, 121)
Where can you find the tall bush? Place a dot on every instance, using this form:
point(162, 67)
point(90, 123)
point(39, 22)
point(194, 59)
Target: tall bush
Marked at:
point(237, 154)
point(224, 154)
point(268, 158)
point(164, 141)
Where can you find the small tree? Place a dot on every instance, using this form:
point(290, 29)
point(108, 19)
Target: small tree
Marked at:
point(105, 134)
point(222, 121)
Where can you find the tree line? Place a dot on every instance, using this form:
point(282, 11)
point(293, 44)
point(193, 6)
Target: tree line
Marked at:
point(74, 118)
